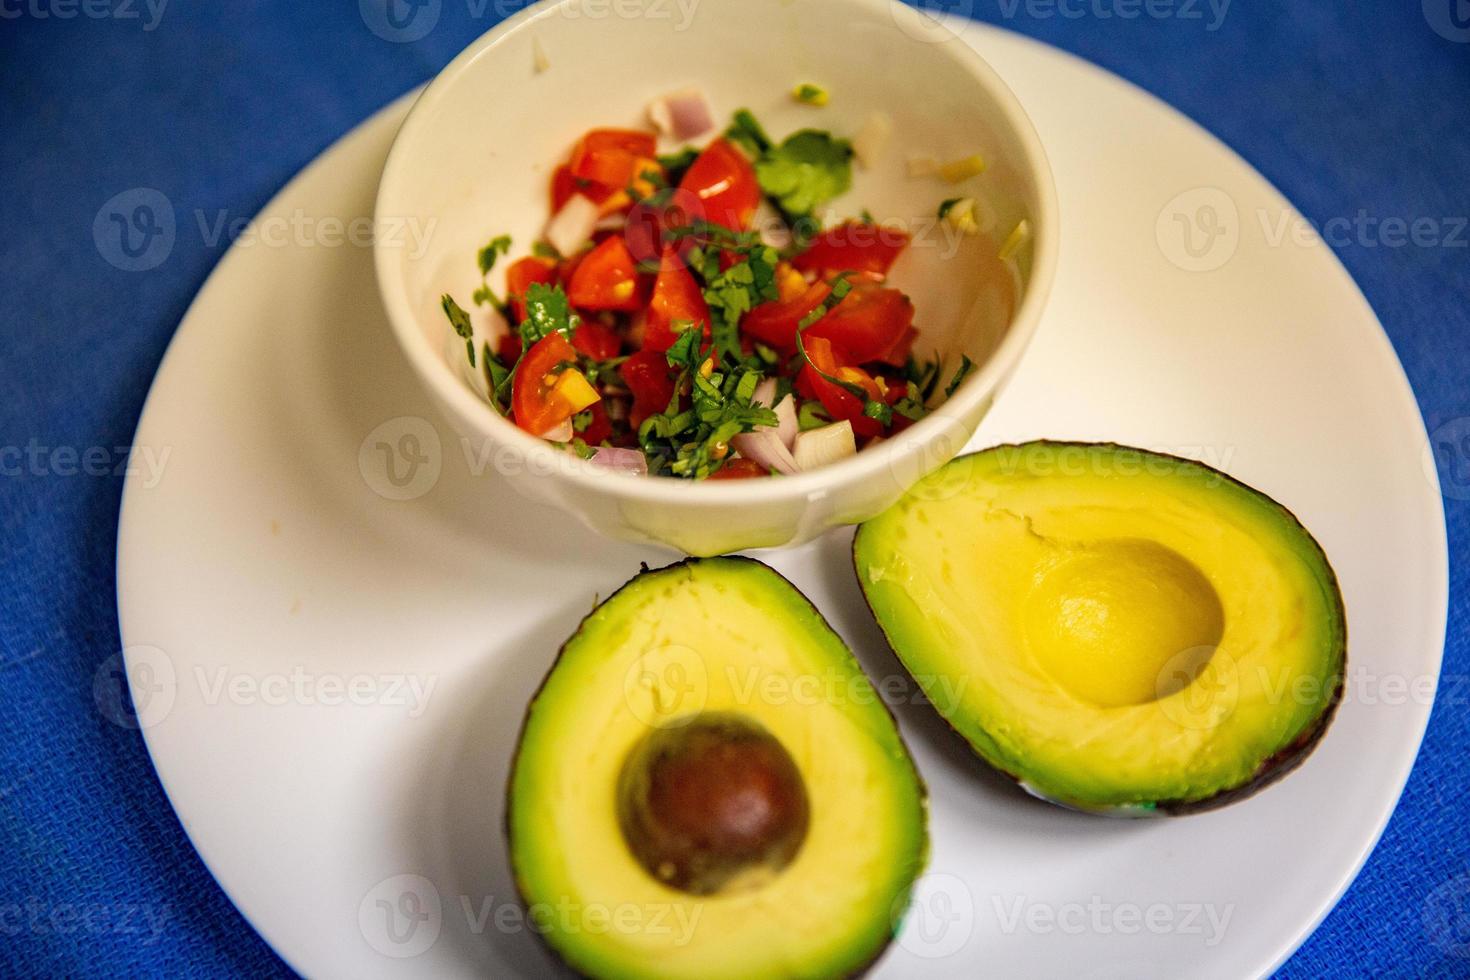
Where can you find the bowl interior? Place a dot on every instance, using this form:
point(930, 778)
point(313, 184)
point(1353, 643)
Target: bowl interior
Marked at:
point(475, 158)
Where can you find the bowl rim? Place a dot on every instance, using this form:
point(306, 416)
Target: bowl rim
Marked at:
point(540, 457)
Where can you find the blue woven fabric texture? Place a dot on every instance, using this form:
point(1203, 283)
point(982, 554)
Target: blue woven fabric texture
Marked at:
point(1351, 107)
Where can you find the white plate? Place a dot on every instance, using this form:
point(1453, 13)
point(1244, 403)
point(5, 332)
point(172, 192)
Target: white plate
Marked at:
point(270, 591)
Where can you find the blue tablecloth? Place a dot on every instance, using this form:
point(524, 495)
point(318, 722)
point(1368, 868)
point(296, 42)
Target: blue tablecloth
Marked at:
point(1351, 107)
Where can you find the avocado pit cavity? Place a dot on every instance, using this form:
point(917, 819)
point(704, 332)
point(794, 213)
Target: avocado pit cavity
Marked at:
point(1123, 622)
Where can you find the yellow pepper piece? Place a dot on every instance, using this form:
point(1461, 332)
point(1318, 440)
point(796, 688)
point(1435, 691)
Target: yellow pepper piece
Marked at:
point(572, 388)
point(963, 169)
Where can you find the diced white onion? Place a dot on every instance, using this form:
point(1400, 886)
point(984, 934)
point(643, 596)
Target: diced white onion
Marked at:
point(570, 227)
point(771, 226)
point(622, 460)
point(869, 143)
point(560, 433)
point(764, 447)
point(923, 166)
point(818, 447)
point(786, 426)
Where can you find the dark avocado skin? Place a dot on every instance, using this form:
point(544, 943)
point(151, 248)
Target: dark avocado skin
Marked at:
point(515, 871)
point(1273, 768)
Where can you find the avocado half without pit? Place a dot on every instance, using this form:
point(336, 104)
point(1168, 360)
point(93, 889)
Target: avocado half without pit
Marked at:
point(686, 802)
point(1120, 631)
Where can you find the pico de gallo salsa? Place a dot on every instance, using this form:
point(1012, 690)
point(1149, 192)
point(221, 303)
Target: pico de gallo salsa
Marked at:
point(654, 329)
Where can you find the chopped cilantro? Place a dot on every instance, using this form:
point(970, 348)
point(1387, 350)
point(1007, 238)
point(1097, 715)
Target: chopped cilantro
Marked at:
point(911, 406)
point(460, 321)
point(840, 288)
point(497, 379)
point(733, 293)
point(675, 164)
point(809, 168)
point(497, 247)
point(948, 205)
point(745, 131)
point(694, 441)
point(966, 365)
point(545, 250)
point(812, 415)
point(547, 311)
point(809, 94)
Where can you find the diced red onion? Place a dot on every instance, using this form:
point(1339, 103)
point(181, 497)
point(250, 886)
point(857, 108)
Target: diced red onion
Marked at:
point(622, 460)
point(570, 227)
point(682, 115)
point(764, 446)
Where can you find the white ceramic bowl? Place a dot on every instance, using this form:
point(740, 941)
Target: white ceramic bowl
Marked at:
point(473, 160)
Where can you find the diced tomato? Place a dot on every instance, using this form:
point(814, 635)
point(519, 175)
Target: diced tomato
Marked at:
point(599, 428)
point(838, 401)
point(620, 199)
point(898, 354)
point(739, 468)
point(520, 276)
point(564, 184)
point(596, 340)
point(676, 297)
point(650, 220)
point(867, 324)
point(775, 323)
point(853, 247)
point(610, 157)
point(725, 183)
point(509, 348)
point(648, 377)
point(536, 405)
point(606, 279)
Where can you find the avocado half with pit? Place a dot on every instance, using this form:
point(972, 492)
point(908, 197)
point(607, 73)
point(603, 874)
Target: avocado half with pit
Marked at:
point(707, 785)
point(1118, 630)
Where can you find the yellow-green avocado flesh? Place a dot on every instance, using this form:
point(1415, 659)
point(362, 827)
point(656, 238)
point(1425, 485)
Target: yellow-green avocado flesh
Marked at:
point(1118, 630)
point(717, 637)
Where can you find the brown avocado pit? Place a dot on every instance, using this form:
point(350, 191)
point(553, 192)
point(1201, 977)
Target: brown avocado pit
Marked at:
point(712, 804)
